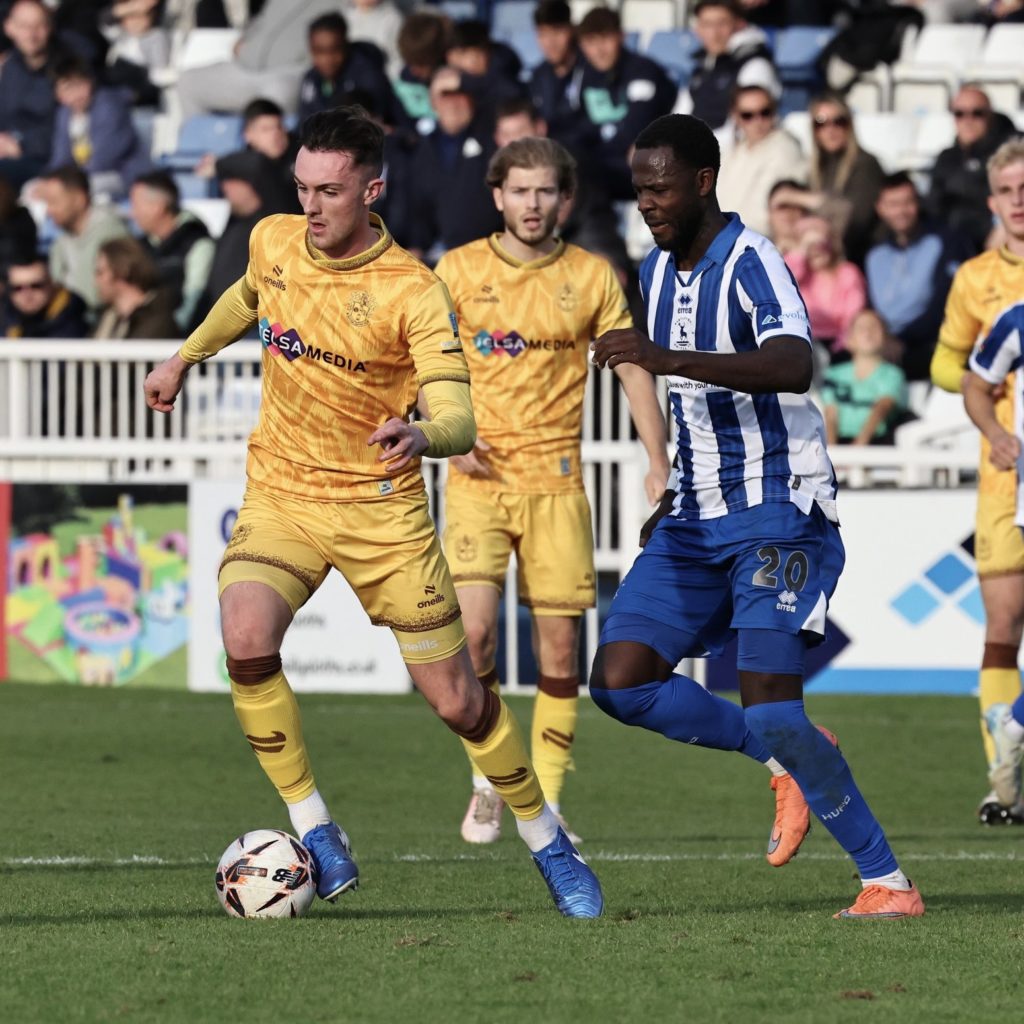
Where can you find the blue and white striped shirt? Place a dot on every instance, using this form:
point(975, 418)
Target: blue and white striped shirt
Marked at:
point(994, 358)
point(736, 450)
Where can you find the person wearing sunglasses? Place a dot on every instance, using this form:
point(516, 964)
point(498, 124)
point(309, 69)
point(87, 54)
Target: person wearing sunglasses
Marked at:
point(840, 169)
point(35, 306)
point(762, 155)
point(959, 184)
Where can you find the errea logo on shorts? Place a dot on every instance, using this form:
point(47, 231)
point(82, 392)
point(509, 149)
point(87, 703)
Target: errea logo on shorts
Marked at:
point(280, 342)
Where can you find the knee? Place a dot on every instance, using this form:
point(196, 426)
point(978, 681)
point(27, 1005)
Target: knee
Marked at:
point(611, 671)
point(482, 640)
point(459, 710)
point(775, 723)
point(244, 640)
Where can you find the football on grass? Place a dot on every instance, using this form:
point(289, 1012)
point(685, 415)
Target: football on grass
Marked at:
point(266, 873)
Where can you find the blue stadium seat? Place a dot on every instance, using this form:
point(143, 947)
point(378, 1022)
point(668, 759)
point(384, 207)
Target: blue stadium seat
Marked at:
point(510, 16)
point(459, 10)
point(524, 42)
point(206, 133)
point(673, 49)
point(192, 186)
point(796, 50)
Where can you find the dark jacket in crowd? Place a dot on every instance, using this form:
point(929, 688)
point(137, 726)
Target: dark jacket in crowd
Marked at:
point(908, 285)
point(413, 109)
point(154, 319)
point(959, 187)
point(64, 317)
point(397, 203)
point(171, 253)
point(27, 109)
point(361, 72)
point(453, 204)
point(559, 100)
point(500, 82)
point(714, 78)
point(115, 144)
point(619, 104)
point(860, 190)
point(18, 236)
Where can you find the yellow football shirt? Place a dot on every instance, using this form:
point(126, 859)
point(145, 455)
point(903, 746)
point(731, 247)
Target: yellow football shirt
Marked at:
point(527, 330)
point(982, 288)
point(347, 345)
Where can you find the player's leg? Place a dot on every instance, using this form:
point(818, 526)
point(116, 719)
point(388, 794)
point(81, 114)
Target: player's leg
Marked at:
point(482, 820)
point(269, 571)
point(999, 553)
point(391, 580)
point(477, 544)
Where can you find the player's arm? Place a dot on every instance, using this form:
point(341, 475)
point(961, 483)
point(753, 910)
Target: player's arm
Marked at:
point(233, 314)
point(980, 402)
point(650, 425)
point(957, 336)
point(782, 365)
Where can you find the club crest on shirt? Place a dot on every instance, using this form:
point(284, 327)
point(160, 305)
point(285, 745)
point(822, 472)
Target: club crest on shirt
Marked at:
point(465, 548)
point(568, 298)
point(359, 307)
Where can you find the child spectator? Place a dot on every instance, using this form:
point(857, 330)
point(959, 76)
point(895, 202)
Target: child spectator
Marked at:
point(422, 43)
point(864, 396)
point(93, 130)
point(488, 70)
point(832, 287)
point(340, 67)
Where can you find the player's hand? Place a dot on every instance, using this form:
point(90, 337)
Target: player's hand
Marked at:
point(655, 481)
point(163, 383)
point(663, 509)
point(628, 345)
point(474, 463)
point(401, 442)
point(1005, 451)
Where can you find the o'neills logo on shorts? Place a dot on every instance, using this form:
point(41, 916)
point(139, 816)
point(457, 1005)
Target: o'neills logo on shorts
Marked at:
point(280, 342)
point(433, 597)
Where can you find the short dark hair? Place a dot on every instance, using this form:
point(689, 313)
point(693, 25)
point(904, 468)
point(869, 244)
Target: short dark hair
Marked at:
point(600, 21)
point(732, 6)
point(469, 34)
point(260, 108)
point(346, 130)
point(529, 153)
point(27, 258)
point(162, 182)
point(71, 176)
point(334, 23)
point(513, 106)
point(72, 67)
point(552, 12)
point(422, 39)
point(898, 179)
point(691, 140)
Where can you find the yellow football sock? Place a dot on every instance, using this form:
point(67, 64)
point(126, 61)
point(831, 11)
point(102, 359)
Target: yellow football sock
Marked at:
point(496, 747)
point(489, 680)
point(269, 716)
point(996, 686)
point(555, 710)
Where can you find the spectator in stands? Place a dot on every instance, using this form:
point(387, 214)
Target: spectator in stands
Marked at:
point(270, 60)
point(453, 204)
point(35, 306)
point(622, 93)
point(252, 188)
point(488, 70)
point(789, 202)
point(517, 118)
point(840, 169)
point(422, 43)
point(139, 48)
point(732, 54)
point(556, 84)
point(177, 240)
point(959, 184)
point(17, 228)
point(762, 155)
point(27, 102)
point(832, 287)
point(909, 273)
point(864, 396)
point(135, 305)
point(377, 22)
point(340, 67)
point(93, 129)
point(84, 227)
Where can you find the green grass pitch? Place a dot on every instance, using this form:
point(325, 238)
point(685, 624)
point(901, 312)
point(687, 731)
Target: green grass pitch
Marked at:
point(117, 804)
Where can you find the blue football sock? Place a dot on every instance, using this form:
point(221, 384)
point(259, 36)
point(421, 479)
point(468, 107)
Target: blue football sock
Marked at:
point(1017, 710)
point(681, 709)
point(826, 782)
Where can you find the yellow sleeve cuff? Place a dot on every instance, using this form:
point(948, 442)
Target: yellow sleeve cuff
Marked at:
point(231, 317)
point(948, 366)
point(451, 429)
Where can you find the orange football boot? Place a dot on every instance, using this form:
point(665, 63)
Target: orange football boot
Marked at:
point(877, 901)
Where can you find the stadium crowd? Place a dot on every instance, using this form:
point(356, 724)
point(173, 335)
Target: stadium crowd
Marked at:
point(96, 238)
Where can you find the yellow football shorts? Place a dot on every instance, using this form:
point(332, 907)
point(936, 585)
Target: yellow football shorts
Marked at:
point(550, 534)
point(998, 542)
point(387, 549)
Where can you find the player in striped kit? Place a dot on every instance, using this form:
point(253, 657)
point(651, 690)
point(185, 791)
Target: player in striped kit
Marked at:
point(749, 542)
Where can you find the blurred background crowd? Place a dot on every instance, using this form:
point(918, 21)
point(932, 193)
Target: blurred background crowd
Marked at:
point(141, 140)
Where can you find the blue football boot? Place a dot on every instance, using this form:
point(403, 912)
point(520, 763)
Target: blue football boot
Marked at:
point(573, 886)
point(336, 871)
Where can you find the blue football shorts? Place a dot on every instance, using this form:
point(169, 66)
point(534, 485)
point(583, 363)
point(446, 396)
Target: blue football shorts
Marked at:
point(766, 570)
